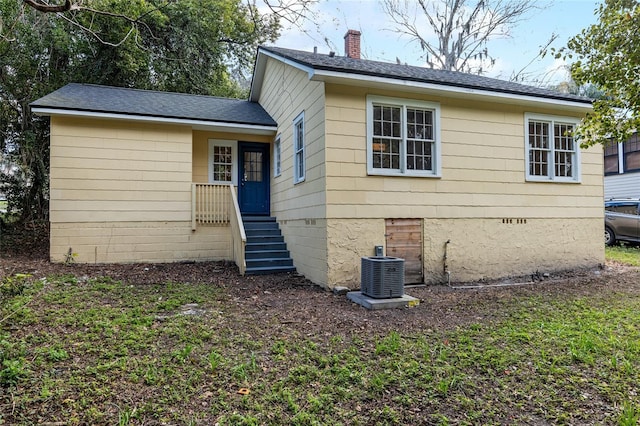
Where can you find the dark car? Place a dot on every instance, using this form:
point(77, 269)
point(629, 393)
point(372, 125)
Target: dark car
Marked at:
point(621, 220)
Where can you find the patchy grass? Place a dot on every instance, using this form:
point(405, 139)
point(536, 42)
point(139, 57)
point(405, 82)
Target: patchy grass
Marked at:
point(78, 350)
point(624, 254)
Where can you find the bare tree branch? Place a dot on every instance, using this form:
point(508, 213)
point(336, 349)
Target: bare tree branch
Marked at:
point(295, 12)
point(453, 34)
point(292, 11)
point(61, 12)
point(521, 75)
point(96, 35)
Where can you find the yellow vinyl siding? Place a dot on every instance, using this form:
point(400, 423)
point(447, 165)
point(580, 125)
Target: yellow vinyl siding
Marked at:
point(501, 224)
point(200, 159)
point(201, 149)
point(300, 208)
point(110, 170)
point(121, 192)
point(286, 93)
point(128, 242)
point(483, 166)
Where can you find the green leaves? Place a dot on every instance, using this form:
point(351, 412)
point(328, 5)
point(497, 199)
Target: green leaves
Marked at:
point(607, 54)
point(202, 47)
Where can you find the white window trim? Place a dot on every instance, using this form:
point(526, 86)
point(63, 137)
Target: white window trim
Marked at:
point(551, 119)
point(234, 159)
point(277, 156)
point(404, 104)
point(621, 169)
point(296, 169)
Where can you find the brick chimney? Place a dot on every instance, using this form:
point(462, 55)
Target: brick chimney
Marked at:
point(352, 44)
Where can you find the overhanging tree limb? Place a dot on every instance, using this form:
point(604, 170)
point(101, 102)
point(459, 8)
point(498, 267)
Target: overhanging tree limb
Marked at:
point(186, 46)
point(607, 55)
point(49, 8)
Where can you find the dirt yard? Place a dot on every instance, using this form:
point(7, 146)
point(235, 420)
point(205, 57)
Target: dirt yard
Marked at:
point(287, 312)
point(293, 299)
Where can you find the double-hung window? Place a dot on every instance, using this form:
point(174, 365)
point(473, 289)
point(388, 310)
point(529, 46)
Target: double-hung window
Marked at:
point(403, 137)
point(552, 152)
point(298, 149)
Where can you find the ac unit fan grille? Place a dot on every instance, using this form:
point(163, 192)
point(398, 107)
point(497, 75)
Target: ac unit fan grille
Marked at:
point(382, 277)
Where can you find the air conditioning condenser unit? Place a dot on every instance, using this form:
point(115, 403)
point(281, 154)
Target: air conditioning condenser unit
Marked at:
point(382, 277)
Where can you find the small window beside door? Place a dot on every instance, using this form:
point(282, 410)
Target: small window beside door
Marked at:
point(222, 164)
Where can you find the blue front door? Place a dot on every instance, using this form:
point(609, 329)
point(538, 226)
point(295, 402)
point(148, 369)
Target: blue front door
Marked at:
point(253, 187)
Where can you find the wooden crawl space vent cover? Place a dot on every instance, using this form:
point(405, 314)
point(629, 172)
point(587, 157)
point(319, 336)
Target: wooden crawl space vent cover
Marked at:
point(404, 240)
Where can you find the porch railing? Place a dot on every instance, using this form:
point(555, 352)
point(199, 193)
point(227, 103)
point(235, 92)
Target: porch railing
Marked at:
point(210, 204)
point(218, 205)
point(238, 236)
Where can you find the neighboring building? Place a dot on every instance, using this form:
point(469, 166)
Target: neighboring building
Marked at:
point(453, 172)
point(622, 169)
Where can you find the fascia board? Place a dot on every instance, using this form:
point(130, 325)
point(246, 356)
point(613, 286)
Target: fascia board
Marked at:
point(218, 126)
point(450, 91)
point(261, 64)
point(258, 77)
point(309, 70)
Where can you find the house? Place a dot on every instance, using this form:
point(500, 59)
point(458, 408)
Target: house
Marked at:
point(465, 177)
point(622, 168)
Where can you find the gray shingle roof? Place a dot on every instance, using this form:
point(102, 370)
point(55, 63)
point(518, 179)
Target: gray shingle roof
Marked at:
point(118, 100)
point(343, 64)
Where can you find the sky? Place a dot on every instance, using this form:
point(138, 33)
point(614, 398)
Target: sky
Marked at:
point(565, 18)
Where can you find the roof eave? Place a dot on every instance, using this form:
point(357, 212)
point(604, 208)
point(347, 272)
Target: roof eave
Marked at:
point(257, 77)
point(339, 77)
point(219, 126)
point(260, 68)
point(367, 80)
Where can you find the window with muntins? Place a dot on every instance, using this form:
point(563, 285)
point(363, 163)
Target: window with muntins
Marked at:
point(552, 152)
point(222, 168)
point(632, 154)
point(299, 146)
point(402, 137)
point(222, 163)
point(611, 161)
